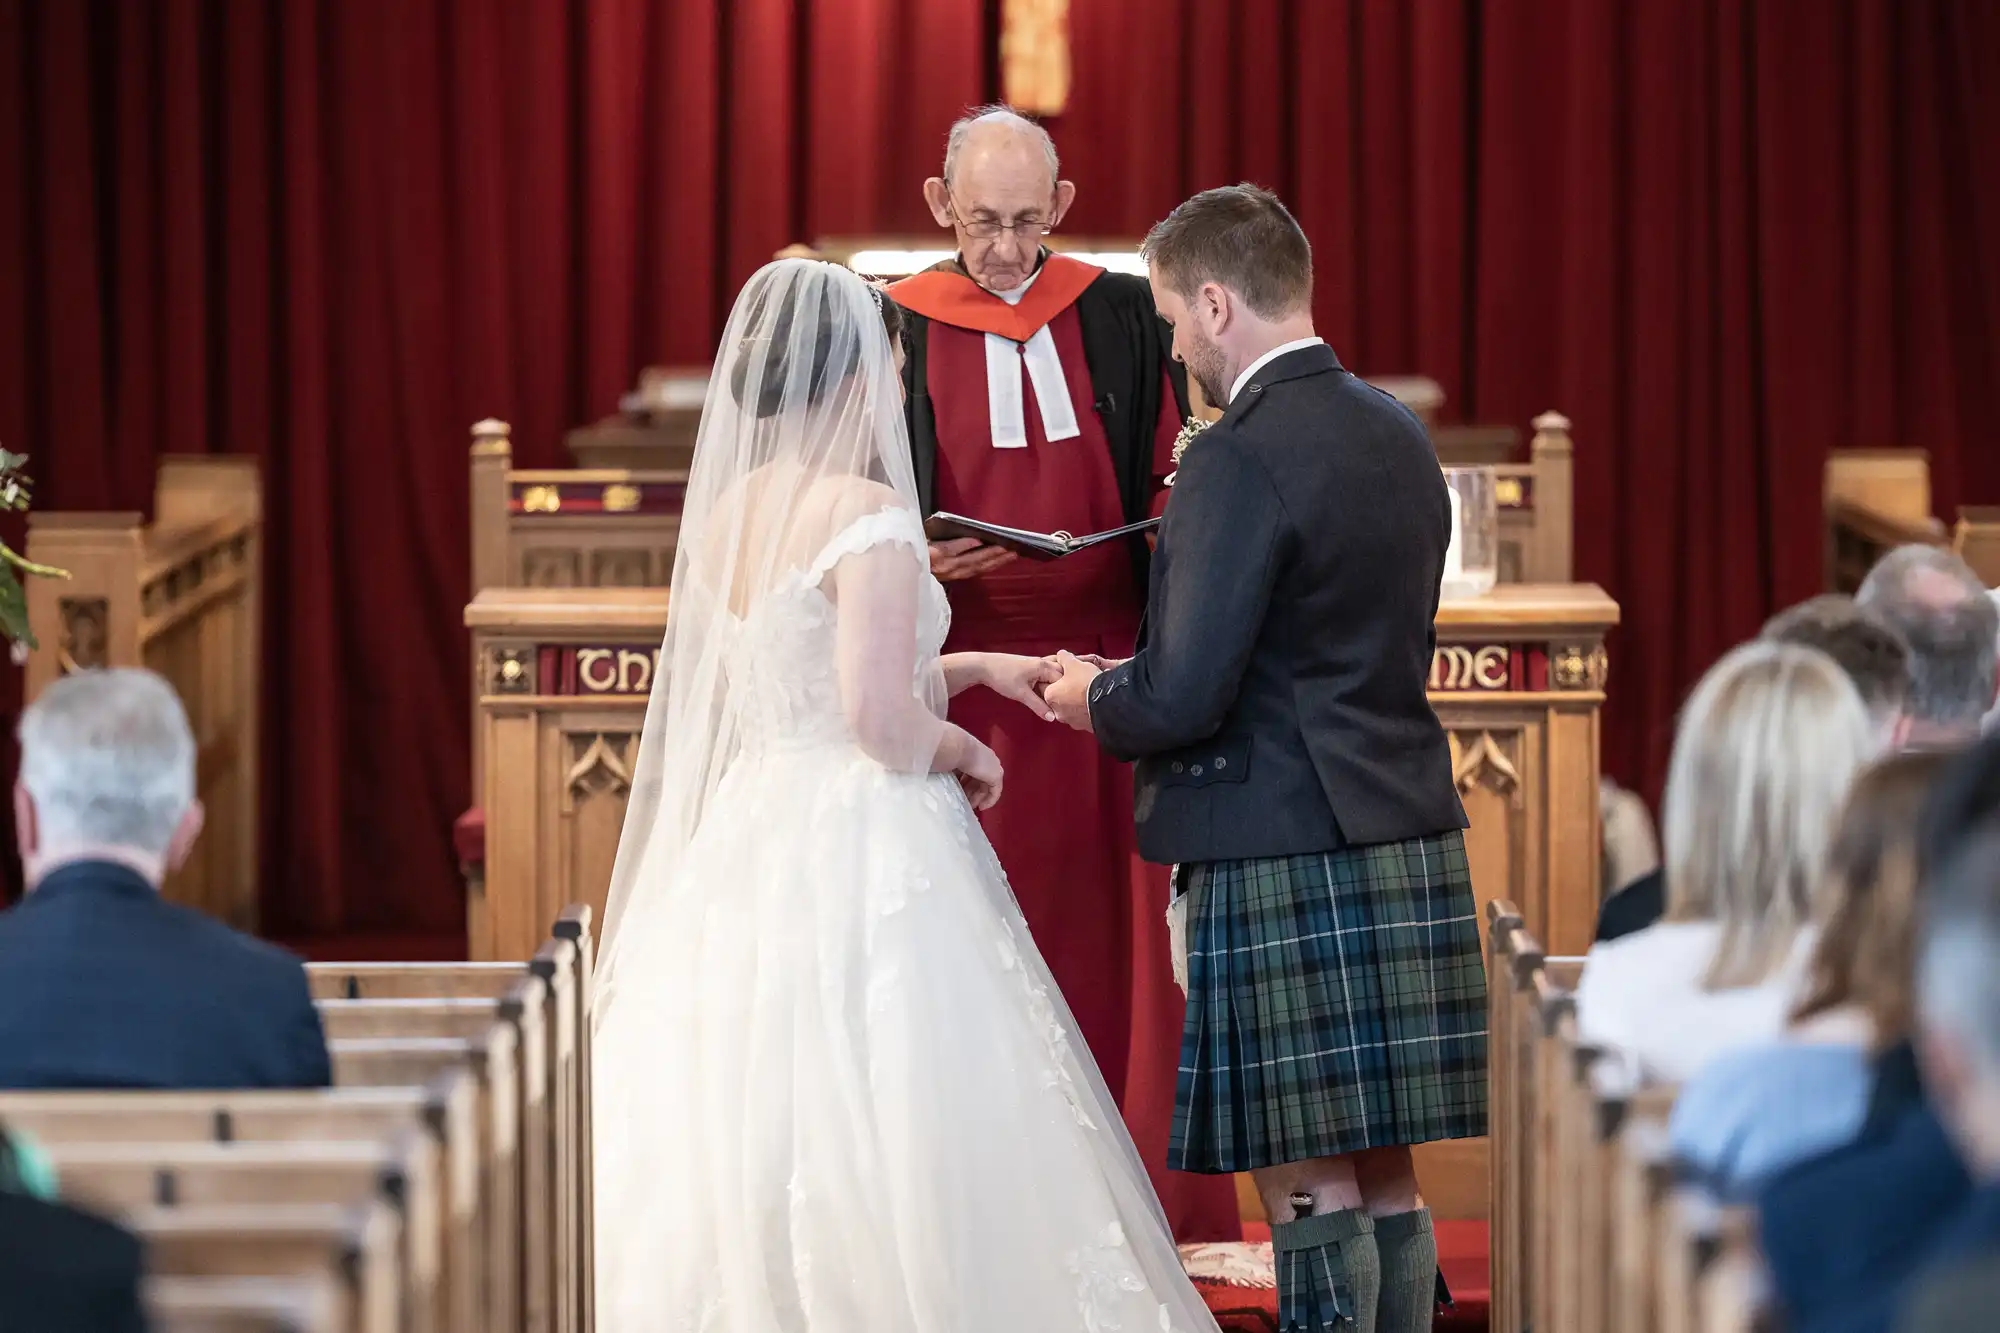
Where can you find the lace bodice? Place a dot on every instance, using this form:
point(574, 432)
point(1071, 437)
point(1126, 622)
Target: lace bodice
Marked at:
point(783, 668)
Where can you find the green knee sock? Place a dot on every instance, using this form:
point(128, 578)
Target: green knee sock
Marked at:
point(1327, 1273)
point(1408, 1253)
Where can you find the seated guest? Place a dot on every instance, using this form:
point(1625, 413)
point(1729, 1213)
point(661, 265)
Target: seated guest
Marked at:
point(1756, 1111)
point(1993, 718)
point(61, 1270)
point(1874, 657)
point(1842, 1233)
point(1934, 600)
point(103, 983)
point(25, 1168)
point(1768, 744)
point(1958, 986)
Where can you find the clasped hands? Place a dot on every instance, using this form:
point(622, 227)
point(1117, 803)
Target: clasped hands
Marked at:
point(1054, 688)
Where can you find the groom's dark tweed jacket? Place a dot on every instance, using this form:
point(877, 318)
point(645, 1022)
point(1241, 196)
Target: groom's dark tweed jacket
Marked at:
point(1278, 701)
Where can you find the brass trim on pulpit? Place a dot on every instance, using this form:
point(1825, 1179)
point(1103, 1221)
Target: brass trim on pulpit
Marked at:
point(1579, 667)
point(512, 671)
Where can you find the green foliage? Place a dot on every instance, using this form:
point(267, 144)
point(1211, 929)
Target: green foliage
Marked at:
point(14, 487)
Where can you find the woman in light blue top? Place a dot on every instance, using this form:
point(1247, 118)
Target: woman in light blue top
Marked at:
point(1756, 1111)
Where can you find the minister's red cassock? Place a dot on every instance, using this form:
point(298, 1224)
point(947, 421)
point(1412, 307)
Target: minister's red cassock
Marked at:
point(1064, 830)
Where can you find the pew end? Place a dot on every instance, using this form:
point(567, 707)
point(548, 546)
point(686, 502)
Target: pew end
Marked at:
point(183, 596)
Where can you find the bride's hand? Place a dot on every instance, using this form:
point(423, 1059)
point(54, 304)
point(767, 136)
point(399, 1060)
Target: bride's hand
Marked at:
point(1022, 679)
point(980, 774)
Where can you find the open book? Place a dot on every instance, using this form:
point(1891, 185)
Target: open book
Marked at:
point(943, 527)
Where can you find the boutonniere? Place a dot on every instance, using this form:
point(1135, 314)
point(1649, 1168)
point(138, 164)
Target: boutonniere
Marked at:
point(1194, 427)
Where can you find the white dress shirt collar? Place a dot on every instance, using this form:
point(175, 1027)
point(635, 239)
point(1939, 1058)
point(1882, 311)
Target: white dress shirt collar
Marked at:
point(1272, 355)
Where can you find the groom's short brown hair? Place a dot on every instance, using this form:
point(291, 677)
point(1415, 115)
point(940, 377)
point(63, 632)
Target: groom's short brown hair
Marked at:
point(1239, 236)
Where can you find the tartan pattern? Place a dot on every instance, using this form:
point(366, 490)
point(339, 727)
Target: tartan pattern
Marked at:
point(1336, 1002)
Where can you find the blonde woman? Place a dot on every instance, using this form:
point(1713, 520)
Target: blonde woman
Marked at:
point(1768, 746)
point(1754, 1112)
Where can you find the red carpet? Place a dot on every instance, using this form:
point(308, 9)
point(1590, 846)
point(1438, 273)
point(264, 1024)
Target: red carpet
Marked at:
point(1221, 1270)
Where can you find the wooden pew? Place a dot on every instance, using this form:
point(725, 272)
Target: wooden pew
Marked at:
point(493, 1057)
point(577, 924)
point(526, 1010)
point(1612, 1241)
point(303, 1304)
point(565, 965)
point(445, 1109)
point(1513, 958)
point(183, 596)
point(1551, 1001)
point(404, 1172)
point(359, 1243)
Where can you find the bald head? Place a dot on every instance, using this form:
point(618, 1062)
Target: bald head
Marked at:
point(1001, 192)
point(998, 136)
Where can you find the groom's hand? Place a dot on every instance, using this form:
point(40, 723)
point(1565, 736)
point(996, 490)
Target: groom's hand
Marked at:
point(1069, 697)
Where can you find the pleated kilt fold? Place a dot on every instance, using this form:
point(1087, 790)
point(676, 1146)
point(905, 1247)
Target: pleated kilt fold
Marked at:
point(1336, 1002)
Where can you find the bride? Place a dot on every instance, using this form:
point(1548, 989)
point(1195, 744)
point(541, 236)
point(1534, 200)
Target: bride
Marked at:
point(837, 1091)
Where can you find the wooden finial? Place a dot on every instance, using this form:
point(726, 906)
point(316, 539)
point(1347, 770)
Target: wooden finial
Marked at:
point(492, 436)
point(1552, 434)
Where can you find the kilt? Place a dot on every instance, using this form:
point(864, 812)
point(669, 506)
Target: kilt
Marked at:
point(1336, 1002)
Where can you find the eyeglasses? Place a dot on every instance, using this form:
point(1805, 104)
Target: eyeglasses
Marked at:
point(986, 229)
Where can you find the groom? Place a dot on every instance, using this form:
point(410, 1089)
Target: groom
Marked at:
point(1290, 765)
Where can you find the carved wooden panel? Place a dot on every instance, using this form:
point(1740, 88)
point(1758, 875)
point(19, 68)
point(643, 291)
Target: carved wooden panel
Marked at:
point(85, 633)
point(551, 567)
point(596, 784)
point(628, 567)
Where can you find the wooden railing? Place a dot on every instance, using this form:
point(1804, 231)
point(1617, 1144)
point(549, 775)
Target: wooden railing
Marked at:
point(569, 527)
point(181, 595)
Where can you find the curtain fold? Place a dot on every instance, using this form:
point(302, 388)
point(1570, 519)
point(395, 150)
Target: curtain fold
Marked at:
point(1722, 236)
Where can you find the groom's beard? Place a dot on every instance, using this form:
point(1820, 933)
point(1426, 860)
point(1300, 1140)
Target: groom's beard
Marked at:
point(1205, 367)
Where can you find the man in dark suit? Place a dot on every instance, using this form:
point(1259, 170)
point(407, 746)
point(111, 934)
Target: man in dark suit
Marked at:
point(103, 983)
point(1290, 765)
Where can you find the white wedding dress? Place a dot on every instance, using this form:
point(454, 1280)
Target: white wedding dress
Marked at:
point(835, 1090)
point(838, 1091)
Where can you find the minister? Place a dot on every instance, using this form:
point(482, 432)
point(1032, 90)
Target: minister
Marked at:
point(1042, 395)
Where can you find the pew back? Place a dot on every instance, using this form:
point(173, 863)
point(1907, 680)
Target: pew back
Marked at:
point(183, 596)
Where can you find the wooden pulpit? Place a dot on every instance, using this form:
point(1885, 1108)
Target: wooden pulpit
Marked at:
point(1518, 680)
point(562, 678)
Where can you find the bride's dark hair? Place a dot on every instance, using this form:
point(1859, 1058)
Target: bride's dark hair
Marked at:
point(834, 353)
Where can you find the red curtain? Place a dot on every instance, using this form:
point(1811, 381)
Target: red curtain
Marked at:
point(1723, 236)
point(334, 233)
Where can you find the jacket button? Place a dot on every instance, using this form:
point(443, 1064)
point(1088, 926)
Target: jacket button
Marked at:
point(1178, 767)
point(1220, 763)
point(1196, 770)
point(1256, 388)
